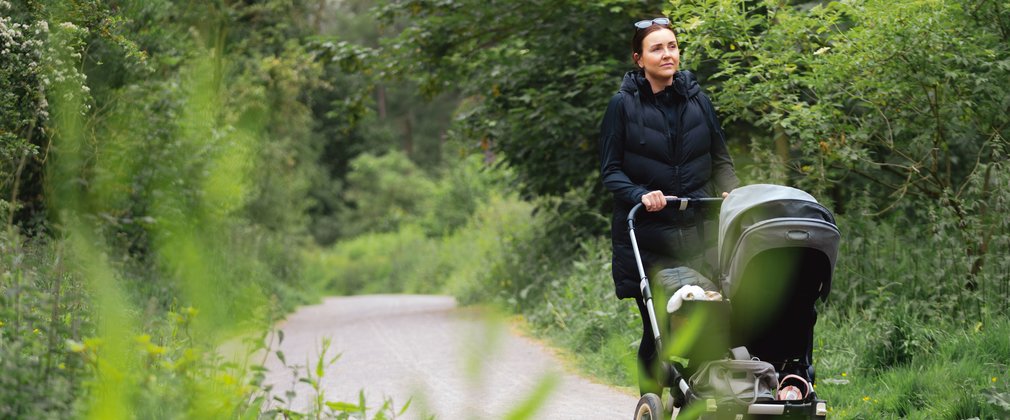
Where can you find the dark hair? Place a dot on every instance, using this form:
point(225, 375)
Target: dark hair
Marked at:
point(640, 34)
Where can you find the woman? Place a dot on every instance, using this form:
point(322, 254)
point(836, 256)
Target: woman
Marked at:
point(659, 137)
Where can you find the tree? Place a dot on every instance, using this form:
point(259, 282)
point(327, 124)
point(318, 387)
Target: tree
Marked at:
point(536, 77)
point(906, 102)
point(910, 97)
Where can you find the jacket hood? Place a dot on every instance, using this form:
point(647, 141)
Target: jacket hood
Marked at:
point(684, 83)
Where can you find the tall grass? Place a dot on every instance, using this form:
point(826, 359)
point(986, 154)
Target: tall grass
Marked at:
point(135, 373)
point(924, 270)
point(41, 306)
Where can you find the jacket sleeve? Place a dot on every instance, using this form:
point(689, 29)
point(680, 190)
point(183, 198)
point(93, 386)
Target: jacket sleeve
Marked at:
point(612, 133)
point(723, 173)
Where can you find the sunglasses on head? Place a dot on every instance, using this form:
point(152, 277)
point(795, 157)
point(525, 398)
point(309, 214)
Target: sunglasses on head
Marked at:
point(661, 21)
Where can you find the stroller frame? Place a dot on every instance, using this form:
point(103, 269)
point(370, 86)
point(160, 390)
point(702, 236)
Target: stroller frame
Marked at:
point(650, 405)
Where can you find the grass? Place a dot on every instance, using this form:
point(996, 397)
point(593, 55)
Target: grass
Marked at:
point(961, 374)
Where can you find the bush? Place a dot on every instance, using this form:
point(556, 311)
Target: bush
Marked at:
point(42, 304)
point(385, 192)
point(929, 261)
point(408, 260)
point(372, 262)
point(63, 355)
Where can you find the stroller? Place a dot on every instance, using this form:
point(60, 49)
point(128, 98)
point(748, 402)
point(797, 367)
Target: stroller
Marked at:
point(776, 253)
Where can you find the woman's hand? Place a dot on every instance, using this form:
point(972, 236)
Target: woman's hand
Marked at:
point(725, 194)
point(654, 201)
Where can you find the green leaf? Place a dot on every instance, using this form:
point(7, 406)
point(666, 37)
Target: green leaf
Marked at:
point(343, 407)
point(535, 400)
point(320, 367)
point(405, 407)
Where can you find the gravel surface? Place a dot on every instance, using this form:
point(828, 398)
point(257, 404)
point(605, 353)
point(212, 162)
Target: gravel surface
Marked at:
point(455, 363)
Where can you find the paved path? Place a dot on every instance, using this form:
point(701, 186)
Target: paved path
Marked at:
point(455, 363)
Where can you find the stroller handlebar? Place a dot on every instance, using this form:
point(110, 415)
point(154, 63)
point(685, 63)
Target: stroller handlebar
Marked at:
point(685, 203)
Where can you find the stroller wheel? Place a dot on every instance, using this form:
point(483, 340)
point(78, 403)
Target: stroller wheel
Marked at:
point(650, 407)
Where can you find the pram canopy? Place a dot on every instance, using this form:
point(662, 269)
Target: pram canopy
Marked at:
point(761, 217)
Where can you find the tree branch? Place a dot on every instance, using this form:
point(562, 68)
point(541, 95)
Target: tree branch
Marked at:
point(983, 247)
point(978, 162)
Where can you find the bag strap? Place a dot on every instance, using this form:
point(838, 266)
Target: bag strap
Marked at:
point(741, 353)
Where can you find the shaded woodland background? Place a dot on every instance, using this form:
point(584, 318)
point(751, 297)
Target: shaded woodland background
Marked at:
point(175, 172)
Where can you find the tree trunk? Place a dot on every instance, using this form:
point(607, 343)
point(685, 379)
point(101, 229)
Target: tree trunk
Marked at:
point(782, 146)
point(408, 133)
point(317, 20)
point(380, 101)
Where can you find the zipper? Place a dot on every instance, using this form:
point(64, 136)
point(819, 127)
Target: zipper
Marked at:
point(678, 113)
point(666, 128)
point(670, 147)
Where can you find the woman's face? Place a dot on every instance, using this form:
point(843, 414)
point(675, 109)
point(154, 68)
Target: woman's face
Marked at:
point(660, 56)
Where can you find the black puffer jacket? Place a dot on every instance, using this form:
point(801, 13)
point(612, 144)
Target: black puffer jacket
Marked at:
point(669, 141)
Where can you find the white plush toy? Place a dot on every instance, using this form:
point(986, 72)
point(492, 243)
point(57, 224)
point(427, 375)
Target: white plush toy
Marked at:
point(689, 292)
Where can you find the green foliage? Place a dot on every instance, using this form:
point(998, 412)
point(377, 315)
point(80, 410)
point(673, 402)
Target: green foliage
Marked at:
point(536, 399)
point(178, 151)
point(320, 406)
point(918, 262)
point(386, 191)
point(536, 77)
point(461, 190)
point(28, 69)
point(578, 310)
point(41, 306)
point(176, 158)
point(365, 107)
point(410, 261)
point(908, 97)
point(374, 262)
point(538, 253)
point(962, 375)
point(389, 191)
point(341, 114)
